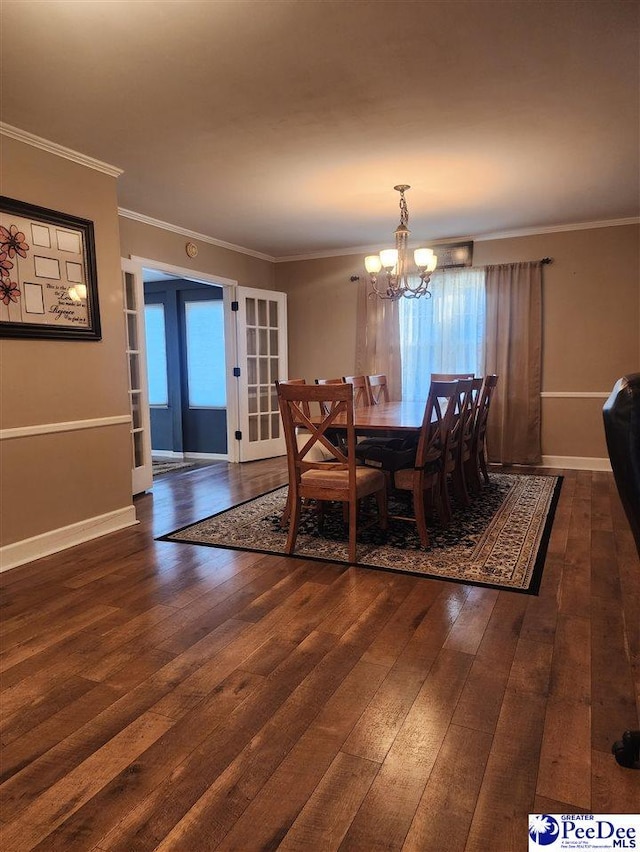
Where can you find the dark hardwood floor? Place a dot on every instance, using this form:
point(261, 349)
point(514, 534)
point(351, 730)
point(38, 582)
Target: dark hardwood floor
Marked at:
point(168, 696)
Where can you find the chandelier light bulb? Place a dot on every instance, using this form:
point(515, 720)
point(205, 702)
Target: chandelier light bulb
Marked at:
point(372, 264)
point(388, 258)
point(423, 257)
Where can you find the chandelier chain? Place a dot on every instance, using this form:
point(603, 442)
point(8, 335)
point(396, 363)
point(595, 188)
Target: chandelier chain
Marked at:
point(404, 210)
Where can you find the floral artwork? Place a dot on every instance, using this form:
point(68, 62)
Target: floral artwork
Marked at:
point(8, 292)
point(12, 241)
point(5, 265)
point(47, 274)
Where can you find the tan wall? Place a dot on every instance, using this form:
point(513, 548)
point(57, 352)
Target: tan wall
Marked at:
point(591, 318)
point(58, 479)
point(138, 239)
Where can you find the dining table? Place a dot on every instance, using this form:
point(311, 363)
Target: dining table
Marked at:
point(404, 416)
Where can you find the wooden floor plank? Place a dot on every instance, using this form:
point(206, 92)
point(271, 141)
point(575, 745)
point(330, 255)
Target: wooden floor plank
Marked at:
point(376, 729)
point(134, 783)
point(507, 791)
point(164, 695)
point(75, 788)
point(268, 818)
point(326, 817)
point(444, 814)
point(385, 815)
point(216, 810)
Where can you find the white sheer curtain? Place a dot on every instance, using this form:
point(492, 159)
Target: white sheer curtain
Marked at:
point(444, 334)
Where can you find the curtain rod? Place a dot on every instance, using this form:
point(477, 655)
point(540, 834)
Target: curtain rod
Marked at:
point(544, 260)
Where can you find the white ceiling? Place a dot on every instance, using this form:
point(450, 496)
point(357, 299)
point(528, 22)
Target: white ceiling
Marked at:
point(282, 125)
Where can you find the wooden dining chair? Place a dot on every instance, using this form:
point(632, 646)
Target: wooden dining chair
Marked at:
point(318, 453)
point(477, 463)
point(361, 393)
point(425, 478)
point(450, 377)
point(452, 465)
point(340, 480)
point(378, 388)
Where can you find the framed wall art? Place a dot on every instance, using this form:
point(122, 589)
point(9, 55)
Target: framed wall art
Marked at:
point(454, 255)
point(48, 282)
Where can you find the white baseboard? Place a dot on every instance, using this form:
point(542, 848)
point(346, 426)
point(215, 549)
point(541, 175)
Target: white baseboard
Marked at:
point(576, 462)
point(12, 555)
point(207, 456)
point(170, 455)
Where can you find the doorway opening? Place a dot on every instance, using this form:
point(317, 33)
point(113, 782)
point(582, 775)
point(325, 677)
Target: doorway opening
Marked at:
point(186, 369)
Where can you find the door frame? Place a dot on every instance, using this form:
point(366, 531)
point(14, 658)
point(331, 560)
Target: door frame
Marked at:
point(230, 337)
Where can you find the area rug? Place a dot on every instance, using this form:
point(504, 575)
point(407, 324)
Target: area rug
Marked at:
point(160, 467)
point(499, 541)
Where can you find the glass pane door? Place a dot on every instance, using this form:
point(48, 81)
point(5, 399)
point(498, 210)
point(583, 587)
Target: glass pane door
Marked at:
point(262, 349)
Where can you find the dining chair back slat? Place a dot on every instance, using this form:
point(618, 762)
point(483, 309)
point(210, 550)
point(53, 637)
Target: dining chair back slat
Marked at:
point(323, 408)
point(361, 393)
point(477, 464)
point(378, 388)
point(453, 464)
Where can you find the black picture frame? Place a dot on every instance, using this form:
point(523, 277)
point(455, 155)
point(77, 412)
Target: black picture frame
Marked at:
point(47, 258)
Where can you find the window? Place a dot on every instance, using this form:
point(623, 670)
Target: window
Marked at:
point(206, 373)
point(156, 354)
point(444, 334)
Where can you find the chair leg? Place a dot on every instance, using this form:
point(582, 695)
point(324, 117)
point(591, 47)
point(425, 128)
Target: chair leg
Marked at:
point(293, 524)
point(287, 510)
point(445, 503)
point(353, 524)
point(472, 474)
point(460, 486)
point(483, 466)
point(383, 512)
point(419, 512)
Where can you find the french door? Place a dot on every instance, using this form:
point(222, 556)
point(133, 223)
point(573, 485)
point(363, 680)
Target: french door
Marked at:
point(256, 342)
point(262, 357)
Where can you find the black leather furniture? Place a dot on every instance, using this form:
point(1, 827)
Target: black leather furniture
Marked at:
point(622, 429)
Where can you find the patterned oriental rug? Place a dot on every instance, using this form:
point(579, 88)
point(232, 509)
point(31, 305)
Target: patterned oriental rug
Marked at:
point(500, 541)
point(160, 467)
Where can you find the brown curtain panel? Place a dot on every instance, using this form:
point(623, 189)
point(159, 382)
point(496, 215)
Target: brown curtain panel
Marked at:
point(513, 351)
point(378, 339)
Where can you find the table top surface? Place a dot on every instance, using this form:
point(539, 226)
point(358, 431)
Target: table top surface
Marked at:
point(386, 416)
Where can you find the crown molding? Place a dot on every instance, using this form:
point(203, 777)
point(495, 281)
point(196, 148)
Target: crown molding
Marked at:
point(557, 229)
point(501, 235)
point(194, 235)
point(58, 150)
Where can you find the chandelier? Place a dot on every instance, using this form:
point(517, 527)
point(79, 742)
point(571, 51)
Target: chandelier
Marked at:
point(396, 281)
